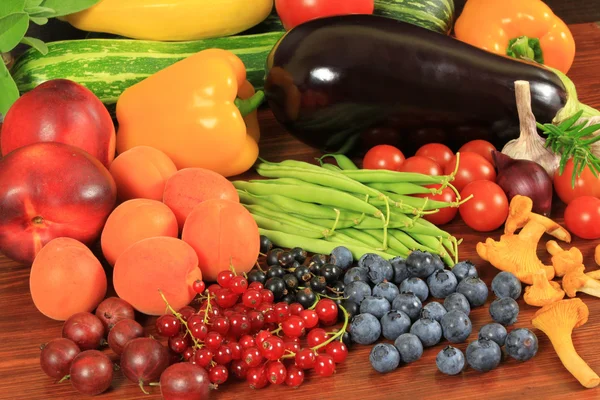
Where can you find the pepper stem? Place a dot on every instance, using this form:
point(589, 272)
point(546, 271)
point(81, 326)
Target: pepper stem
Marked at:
point(248, 105)
point(526, 48)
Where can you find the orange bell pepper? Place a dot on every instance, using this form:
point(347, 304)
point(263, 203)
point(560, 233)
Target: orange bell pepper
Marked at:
point(519, 28)
point(200, 111)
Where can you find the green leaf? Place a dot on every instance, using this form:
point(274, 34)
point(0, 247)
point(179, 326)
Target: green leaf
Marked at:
point(566, 124)
point(12, 30)
point(33, 3)
point(65, 7)
point(8, 7)
point(36, 44)
point(9, 93)
point(40, 11)
point(39, 20)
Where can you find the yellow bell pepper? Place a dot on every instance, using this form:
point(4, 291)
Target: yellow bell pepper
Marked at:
point(171, 19)
point(200, 111)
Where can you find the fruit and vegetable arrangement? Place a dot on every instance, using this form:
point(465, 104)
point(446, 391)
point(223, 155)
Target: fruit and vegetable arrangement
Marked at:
point(133, 188)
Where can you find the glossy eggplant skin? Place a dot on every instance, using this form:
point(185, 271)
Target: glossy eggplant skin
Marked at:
point(349, 82)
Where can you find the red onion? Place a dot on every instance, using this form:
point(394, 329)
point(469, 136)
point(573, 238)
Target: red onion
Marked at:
point(526, 178)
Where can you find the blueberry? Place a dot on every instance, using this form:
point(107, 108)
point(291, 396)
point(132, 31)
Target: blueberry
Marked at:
point(442, 283)
point(299, 254)
point(493, 331)
point(475, 290)
point(457, 301)
point(331, 272)
point(400, 269)
point(433, 310)
point(265, 244)
point(521, 344)
point(417, 286)
point(421, 264)
point(342, 257)
point(387, 290)
point(409, 346)
point(483, 355)
point(356, 274)
point(384, 357)
point(456, 326)
point(506, 284)
point(365, 329)
point(379, 268)
point(375, 305)
point(504, 311)
point(464, 269)
point(428, 331)
point(351, 308)
point(450, 361)
point(409, 304)
point(394, 323)
point(356, 291)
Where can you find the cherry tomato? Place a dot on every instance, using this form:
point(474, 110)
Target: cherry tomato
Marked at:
point(296, 12)
point(444, 215)
point(440, 153)
point(471, 167)
point(586, 184)
point(481, 147)
point(582, 217)
point(422, 165)
point(487, 210)
point(383, 156)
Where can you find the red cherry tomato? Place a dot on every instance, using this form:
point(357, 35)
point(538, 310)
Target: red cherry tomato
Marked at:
point(440, 153)
point(444, 215)
point(421, 165)
point(487, 210)
point(383, 156)
point(296, 12)
point(582, 217)
point(481, 147)
point(586, 184)
point(471, 167)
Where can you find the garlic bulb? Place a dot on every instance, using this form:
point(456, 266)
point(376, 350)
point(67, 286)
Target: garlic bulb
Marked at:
point(530, 145)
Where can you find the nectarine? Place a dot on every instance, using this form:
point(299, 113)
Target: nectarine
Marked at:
point(158, 263)
point(66, 278)
point(223, 234)
point(133, 221)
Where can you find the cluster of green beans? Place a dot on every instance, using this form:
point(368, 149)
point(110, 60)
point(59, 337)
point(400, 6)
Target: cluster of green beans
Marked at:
point(320, 207)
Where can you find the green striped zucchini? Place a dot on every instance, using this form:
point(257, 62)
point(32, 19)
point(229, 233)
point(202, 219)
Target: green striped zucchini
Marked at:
point(435, 15)
point(109, 66)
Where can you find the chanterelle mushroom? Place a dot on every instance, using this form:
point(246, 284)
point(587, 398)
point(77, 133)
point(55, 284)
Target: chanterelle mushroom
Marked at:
point(517, 253)
point(557, 320)
point(519, 213)
point(576, 280)
point(543, 291)
point(563, 260)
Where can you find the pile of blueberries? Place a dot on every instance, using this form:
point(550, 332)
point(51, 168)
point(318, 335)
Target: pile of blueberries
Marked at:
point(388, 299)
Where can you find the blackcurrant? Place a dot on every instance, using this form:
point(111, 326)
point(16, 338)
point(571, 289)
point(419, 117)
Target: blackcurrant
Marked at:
point(299, 254)
point(273, 256)
point(275, 271)
point(318, 259)
point(331, 272)
point(315, 268)
point(256, 275)
point(291, 282)
point(285, 259)
point(337, 289)
point(303, 274)
point(289, 298)
point(265, 244)
point(277, 286)
point(306, 297)
point(294, 265)
point(318, 284)
point(351, 308)
point(346, 339)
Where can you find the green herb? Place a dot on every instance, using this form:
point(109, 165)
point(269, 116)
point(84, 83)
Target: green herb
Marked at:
point(570, 141)
point(15, 16)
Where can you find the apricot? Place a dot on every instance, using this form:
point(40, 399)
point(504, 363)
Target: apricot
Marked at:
point(66, 278)
point(158, 263)
point(223, 234)
point(133, 221)
point(189, 187)
point(141, 172)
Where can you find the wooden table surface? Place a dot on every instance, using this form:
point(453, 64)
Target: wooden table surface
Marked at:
point(23, 328)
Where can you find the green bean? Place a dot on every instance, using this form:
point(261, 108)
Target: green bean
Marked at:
point(361, 236)
point(317, 245)
point(385, 176)
point(331, 167)
point(268, 223)
point(329, 222)
point(409, 242)
point(402, 188)
point(281, 216)
point(282, 181)
point(343, 161)
point(395, 244)
point(434, 243)
point(419, 203)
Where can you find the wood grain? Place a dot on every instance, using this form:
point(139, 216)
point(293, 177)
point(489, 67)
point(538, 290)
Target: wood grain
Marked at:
point(23, 328)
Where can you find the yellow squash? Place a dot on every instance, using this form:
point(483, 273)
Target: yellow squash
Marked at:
point(171, 20)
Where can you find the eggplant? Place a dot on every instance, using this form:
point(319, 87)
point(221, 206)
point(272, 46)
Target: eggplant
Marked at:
point(346, 83)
